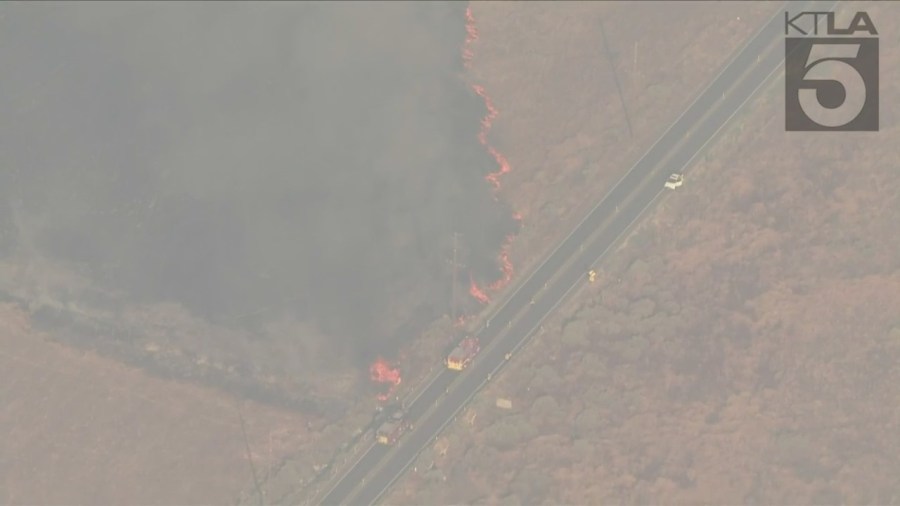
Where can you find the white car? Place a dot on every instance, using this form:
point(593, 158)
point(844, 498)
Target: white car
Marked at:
point(674, 181)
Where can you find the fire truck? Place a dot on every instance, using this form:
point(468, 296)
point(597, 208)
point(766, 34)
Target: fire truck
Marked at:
point(462, 355)
point(391, 430)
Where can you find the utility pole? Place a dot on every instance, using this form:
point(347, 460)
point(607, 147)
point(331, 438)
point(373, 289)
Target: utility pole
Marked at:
point(455, 279)
point(612, 67)
point(256, 483)
point(634, 66)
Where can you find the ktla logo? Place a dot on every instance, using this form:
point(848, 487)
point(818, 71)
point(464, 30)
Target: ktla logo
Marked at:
point(831, 83)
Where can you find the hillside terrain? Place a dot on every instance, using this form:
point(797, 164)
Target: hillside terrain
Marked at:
point(84, 429)
point(741, 346)
point(563, 154)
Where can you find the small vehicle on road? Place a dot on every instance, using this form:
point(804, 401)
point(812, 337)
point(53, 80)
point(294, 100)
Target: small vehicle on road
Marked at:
point(391, 430)
point(674, 181)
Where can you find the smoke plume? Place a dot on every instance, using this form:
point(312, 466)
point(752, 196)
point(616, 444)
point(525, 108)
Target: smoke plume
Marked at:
point(312, 159)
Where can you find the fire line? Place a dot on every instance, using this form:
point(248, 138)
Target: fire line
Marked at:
point(506, 266)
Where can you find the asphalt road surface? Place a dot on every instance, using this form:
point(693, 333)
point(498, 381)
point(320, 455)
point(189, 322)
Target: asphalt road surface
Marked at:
point(566, 268)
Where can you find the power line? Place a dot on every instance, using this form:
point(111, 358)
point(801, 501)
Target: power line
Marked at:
point(453, 281)
point(250, 456)
point(609, 58)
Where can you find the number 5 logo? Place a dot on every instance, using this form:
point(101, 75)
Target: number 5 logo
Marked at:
point(827, 64)
point(831, 84)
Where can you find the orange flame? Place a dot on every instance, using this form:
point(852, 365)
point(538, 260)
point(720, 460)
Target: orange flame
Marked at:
point(381, 372)
point(506, 265)
point(477, 292)
point(471, 37)
point(486, 123)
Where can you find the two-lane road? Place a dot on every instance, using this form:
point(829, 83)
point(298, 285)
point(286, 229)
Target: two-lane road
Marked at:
point(564, 268)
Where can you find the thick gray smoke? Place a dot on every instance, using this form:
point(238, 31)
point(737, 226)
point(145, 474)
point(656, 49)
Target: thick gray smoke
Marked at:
point(308, 158)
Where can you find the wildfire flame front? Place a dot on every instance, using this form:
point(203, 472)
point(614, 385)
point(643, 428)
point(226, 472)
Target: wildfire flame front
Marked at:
point(381, 372)
point(506, 266)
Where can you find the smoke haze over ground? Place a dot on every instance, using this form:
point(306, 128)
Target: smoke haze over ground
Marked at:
point(310, 158)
